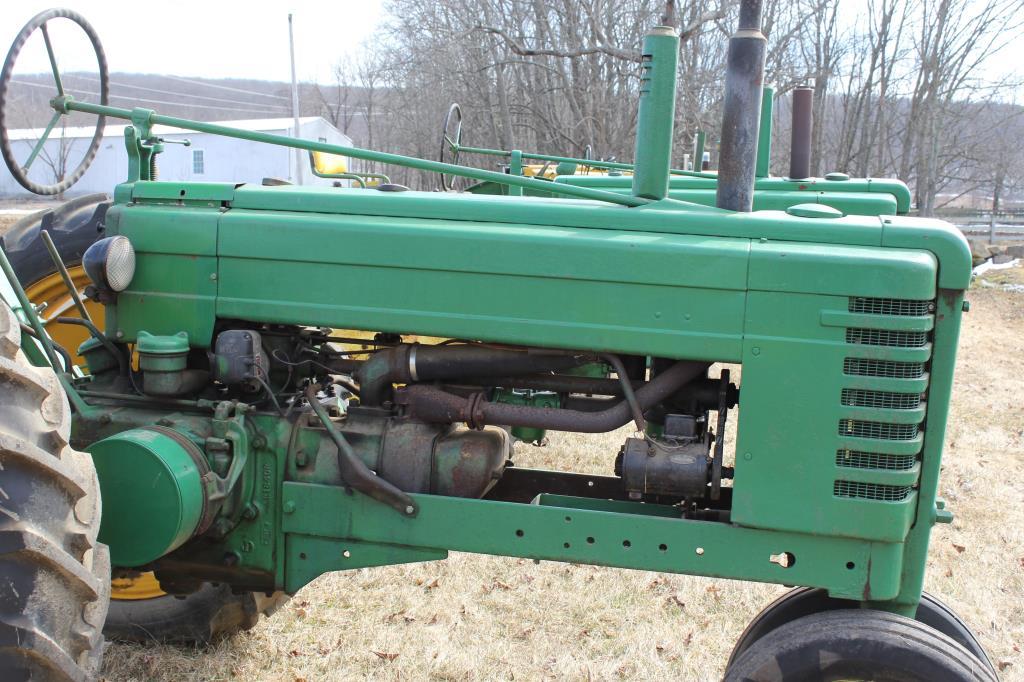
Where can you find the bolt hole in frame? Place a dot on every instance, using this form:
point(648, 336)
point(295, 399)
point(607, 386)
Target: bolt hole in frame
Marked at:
point(784, 559)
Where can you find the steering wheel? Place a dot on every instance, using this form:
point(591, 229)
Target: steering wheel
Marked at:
point(18, 169)
point(451, 138)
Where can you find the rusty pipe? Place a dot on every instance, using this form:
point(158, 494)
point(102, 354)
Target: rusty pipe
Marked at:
point(356, 474)
point(741, 111)
point(800, 136)
point(409, 363)
point(432, 404)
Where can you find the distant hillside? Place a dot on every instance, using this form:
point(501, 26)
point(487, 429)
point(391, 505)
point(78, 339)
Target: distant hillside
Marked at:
point(202, 99)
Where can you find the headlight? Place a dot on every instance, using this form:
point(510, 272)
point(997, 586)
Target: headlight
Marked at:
point(110, 263)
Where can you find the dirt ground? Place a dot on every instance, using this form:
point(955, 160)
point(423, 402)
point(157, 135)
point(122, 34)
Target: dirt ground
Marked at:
point(483, 618)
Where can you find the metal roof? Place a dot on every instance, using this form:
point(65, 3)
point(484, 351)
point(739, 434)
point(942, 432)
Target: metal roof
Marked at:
point(114, 128)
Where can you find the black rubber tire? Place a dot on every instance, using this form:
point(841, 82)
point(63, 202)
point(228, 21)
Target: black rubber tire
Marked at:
point(804, 601)
point(859, 644)
point(209, 614)
point(55, 576)
point(73, 226)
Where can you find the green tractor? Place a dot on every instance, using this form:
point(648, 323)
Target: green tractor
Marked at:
point(849, 196)
point(242, 447)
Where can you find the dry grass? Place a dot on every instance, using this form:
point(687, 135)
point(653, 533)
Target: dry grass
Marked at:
point(475, 617)
point(6, 221)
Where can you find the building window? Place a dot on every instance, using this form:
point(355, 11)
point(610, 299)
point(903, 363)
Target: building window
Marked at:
point(198, 162)
point(321, 139)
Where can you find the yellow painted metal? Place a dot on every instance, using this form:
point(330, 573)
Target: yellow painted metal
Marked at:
point(51, 291)
point(547, 170)
point(329, 163)
point(144, 586)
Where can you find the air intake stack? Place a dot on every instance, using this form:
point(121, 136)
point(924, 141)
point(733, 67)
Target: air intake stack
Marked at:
point(656, 115)
point(741, 113)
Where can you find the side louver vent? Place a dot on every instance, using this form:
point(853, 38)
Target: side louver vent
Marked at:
point(886, 400)
point(855, 459)
point(855, 428)
point(882, 400)
point(862, 367)
point(871, 491)
point(890, 306)
point(886, 337)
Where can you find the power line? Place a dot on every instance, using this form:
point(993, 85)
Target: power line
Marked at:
point(224, 87)
point(179, 94)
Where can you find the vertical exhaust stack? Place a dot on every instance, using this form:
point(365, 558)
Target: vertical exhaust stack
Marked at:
point(656, 115)
point(764, 137)
point(742, 111)
point(800, 141)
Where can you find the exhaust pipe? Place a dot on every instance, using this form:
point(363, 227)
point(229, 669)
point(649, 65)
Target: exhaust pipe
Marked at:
point(800, 141)
point(742, 111)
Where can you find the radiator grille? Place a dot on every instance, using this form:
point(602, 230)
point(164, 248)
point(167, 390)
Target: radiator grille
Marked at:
point(886, 337)
point(871, 491)
point(855, 459)
point(890, 306)
point(887, 400)
point(856, 428)
point(890, 369)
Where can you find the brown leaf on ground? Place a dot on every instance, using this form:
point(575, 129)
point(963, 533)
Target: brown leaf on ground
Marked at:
point(1003, 665)
point(385, 655)
point(959, 548)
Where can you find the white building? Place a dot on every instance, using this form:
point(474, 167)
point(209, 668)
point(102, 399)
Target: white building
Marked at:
point(209, 158)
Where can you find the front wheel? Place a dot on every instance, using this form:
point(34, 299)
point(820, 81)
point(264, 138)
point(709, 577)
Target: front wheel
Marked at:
point(856, 645)
point(804, 601)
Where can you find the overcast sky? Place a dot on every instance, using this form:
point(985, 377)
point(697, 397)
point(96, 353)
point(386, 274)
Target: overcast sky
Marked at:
point(212, 39)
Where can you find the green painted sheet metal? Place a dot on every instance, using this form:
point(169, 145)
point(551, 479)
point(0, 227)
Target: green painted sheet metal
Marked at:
point(152, 494)
point(850, 203)
point(840, 270)
point(848, 568)
point(812, 456)
point(308, 557)
point(948, 313)
point(175, 287)
point(672, 295)
point(175, 193)
point(897, 189)
point(655, 119)
point(944, 240)
point(666, 216)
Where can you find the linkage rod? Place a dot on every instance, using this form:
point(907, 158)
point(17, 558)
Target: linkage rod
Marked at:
point(616, 165)
point(357, 153)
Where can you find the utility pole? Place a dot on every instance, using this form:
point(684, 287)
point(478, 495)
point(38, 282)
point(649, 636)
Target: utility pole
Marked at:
point(295, 104)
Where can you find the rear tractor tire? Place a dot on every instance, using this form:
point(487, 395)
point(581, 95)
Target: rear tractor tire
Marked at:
point(55, 575)
point(207, 615)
